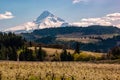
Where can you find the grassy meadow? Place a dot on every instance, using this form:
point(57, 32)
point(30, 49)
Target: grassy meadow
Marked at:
point(58, 71)
point(51, 51)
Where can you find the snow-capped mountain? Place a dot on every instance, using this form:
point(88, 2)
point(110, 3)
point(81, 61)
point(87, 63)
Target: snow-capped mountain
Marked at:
point(48, 20)
point(45, 20)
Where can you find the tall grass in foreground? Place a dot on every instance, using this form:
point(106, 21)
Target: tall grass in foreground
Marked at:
point(58, 71)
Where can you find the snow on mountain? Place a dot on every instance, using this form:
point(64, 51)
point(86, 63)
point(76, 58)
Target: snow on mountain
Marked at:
point(45, 20)
point(48, 20)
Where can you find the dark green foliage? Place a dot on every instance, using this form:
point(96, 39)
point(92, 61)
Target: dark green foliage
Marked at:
point(77, 48)
point(65, 56)
point(9, 43)
point(114, 53)
point(46, 39)
point(70, 57)
point(3, 53)
point(32, 55)
point(26, 55)
point(96, 29)
point(11, 40)
point(12, 47)
point(102, 46)
point(41, 54)
point(12, 55)
point(8, 53)
point(30, 44)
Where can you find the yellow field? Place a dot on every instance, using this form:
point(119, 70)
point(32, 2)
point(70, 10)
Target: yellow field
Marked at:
point(51, 51)
point(58, 71)
point(85, 55)
point(54, 50)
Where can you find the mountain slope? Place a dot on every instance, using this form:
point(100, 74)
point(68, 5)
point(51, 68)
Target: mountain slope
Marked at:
point(48, 20)
point(45, 20)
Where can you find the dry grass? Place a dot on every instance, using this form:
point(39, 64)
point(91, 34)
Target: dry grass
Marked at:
point(54, 50)
point(58, 71)
point(92, 53)
point(83, 40)
point(51, 51)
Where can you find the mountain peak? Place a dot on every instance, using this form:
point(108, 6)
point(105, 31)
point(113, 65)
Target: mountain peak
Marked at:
point(45, 20)
point(46, 12)
point(44, 15)
point(48, 20)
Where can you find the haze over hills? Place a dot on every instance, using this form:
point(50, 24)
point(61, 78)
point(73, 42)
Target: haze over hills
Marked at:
point(45, 20)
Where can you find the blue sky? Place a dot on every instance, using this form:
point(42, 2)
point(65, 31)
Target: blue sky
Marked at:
point(21, 11)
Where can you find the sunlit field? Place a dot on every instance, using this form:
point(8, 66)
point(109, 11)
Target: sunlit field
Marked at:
point(58, 71)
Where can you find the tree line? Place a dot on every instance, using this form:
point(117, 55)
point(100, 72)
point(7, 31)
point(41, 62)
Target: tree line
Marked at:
point(14, 47)
point(9, 44)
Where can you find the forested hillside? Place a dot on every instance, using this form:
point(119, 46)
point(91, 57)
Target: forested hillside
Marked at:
point(92, 38)
point(96, 29)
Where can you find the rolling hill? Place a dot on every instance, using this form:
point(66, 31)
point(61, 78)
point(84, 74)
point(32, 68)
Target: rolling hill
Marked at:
point(71, 31)
point(92, 38)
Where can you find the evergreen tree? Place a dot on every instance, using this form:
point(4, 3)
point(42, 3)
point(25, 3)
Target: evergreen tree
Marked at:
point(26, 55)
point(63, 55)
point(3, 53)
point(77, 48)
point(70, 57)
point(12, 54)
point(9, 43)
point(30, 44)
point(41, 54)
point(114, 53)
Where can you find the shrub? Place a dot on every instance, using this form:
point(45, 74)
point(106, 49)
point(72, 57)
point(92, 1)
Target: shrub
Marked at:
point(66, 56)
point(26, 55)
point(84, 57)
point(114, 53)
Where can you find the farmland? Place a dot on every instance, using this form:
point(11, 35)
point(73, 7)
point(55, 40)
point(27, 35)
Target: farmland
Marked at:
point(58, 71)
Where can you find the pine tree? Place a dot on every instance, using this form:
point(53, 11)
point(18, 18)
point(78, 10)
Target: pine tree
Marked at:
point(41, 54)
point(12, 54)
point(3, 53)
point(63, 55)
point(70, 57)
point(77, 48)
point(26, 55)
